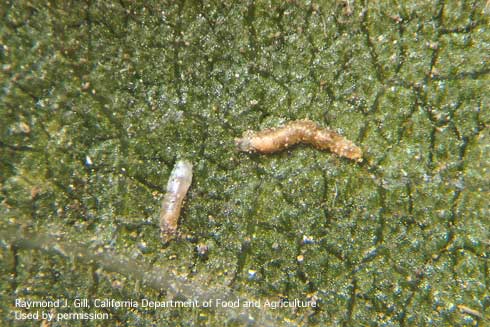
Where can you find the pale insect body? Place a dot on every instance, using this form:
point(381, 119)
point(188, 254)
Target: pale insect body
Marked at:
point(299, 131)
point(178, 184)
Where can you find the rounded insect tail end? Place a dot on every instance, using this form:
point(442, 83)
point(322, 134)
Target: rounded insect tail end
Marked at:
point(243, 144)
point(167, 236)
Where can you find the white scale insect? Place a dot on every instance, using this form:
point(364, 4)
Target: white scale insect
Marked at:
point(178, 184)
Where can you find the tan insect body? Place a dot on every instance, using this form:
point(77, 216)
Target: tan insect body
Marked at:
point(299, 131)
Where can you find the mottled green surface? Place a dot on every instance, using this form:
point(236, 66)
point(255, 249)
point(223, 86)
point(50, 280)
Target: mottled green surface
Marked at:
point(98, 100)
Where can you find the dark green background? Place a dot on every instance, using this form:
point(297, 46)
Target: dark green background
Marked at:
point(99, 99)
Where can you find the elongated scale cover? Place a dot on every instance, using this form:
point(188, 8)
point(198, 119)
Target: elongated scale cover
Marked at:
point(178, 184)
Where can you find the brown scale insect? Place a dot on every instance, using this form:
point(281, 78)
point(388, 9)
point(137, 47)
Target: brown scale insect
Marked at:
point(298, 131)
point(178, 184)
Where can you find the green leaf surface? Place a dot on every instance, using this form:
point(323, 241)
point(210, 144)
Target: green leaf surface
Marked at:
point(99, 99)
